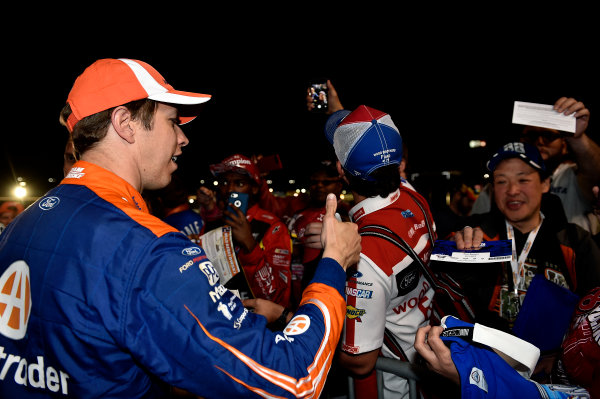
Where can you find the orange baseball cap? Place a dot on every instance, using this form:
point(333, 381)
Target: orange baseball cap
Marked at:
point(111, 82)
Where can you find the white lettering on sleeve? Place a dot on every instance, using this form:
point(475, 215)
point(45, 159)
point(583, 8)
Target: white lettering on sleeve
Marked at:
point(39, 368)
point(11, 359)
point(21, 373)
point(35, 374)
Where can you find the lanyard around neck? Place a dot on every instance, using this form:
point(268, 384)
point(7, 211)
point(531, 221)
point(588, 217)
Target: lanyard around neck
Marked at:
point(518, 263)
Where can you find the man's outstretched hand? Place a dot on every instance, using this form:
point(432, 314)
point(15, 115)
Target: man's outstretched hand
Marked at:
point(340, 239)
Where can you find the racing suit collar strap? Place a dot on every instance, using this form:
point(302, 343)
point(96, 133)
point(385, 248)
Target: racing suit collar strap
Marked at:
point(372, 204)
point(106, 184)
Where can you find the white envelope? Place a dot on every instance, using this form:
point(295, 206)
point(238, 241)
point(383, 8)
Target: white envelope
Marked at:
point(542, 115)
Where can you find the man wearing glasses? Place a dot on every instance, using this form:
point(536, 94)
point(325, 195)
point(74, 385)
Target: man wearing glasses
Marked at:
point(573, 161)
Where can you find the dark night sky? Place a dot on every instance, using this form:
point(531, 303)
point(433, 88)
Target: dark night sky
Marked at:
point(441, 92)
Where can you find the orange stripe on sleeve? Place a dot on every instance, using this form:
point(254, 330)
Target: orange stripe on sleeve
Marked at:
point(333, 311)
point(257, 391)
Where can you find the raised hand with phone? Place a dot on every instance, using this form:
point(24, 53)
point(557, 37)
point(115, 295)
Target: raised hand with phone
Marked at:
point(333, 103)
point(237, 201)
point(235, 216)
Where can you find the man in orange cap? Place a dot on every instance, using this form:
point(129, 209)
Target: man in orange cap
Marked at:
point(101, 299)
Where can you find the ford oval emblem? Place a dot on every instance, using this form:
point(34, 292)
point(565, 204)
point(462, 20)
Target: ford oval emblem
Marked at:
point(48, 203)
point(357, 274)
point(191, 251)
point(408, 280)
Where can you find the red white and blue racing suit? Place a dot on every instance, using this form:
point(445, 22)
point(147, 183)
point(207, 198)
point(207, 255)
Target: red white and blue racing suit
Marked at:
point(100, 299)
point(388, 296)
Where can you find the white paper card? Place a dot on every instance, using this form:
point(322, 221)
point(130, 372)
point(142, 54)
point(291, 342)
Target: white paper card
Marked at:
point(219, 248)
point(489, 252)
point(542, 115)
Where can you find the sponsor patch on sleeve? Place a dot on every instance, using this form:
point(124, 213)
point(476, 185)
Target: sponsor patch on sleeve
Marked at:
point(350, 348)
point(354, 313)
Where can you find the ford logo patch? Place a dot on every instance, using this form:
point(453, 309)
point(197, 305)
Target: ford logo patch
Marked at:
point(191, 251)
point(48, 203)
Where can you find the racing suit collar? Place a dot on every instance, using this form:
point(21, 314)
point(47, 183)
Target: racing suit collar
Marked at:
point(372, 204)
point(106, 184)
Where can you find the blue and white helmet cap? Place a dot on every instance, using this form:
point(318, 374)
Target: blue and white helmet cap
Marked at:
point(364, 140)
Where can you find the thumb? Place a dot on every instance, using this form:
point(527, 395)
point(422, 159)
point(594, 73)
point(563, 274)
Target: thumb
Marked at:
point(330, 205)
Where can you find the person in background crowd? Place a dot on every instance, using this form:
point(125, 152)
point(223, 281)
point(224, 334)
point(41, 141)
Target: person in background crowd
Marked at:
point(284, 207)
point(324, 179)
point(572, 162)
point(553, 261)
point(520, 180)
point(335, 105)
point(453, 216)
point(376, 297)
point(263, 242)
point(102, 299)
point(9, 210)
point(368, 147)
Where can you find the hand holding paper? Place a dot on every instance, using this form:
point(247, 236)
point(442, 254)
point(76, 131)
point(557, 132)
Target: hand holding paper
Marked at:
point(572, 107)
point(543, 115)
point(489, 251)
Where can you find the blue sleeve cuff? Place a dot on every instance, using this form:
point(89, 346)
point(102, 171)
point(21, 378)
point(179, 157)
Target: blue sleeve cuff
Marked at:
point(330, 272)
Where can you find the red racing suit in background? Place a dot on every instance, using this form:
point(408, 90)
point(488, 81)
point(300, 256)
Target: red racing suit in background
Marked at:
point(268, 265)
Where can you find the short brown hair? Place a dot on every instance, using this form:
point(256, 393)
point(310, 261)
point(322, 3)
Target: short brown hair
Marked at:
point(91, 129)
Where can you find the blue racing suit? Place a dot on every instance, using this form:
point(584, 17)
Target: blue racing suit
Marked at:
point(100, 299)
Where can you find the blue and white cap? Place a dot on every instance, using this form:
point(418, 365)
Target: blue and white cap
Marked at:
point(525, 152)
point(364, 140)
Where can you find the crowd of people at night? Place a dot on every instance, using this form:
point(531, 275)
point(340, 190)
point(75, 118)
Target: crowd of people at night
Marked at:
point(126, 281)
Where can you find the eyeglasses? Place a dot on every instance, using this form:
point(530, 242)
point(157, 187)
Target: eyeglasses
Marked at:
point(547, 137)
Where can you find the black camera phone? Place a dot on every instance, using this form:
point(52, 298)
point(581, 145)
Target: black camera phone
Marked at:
point(319, 95)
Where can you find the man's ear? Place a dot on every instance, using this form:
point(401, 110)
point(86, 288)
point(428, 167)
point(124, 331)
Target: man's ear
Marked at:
point(338, 166)
point(340, 170)
point(546, 185)
point(123, 124)
point(564, 148)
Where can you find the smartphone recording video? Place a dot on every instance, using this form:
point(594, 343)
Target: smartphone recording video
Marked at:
point(319, 95)
point(239, 200)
